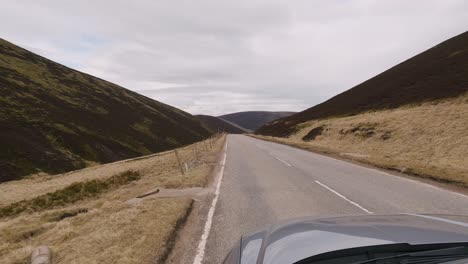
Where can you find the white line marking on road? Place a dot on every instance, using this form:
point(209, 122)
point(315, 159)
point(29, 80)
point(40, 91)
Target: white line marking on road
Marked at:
point(372, 169)
point(461, 195)
point(282, 161)
point(342, 196)
point(287, 164)
point(206, 231)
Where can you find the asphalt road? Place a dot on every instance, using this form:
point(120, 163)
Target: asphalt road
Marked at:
point(265, 182)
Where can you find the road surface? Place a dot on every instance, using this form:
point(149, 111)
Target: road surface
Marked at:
point(265, 182)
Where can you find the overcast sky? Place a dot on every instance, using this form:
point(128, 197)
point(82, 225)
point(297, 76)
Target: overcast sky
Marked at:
point(216, 57)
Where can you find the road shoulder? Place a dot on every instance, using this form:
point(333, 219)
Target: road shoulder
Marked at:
point(188, 237)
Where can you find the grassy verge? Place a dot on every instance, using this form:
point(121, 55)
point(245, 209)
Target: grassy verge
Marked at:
point(160, 170)
point(71, 194)
point(428, 140)
point(170, 242)
point(109, 225)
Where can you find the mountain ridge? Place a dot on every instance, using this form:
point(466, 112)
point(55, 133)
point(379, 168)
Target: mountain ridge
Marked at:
point(252, 120)
point(55, 119)
point(436, 73)
point(220, 125)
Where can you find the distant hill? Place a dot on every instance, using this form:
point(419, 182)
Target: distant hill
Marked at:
point(217, 124)
point(55, 119)
point(236, 125)
point(437, 73)
point(252, 120)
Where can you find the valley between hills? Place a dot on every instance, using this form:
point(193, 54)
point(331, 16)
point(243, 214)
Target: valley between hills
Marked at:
point(102, 174)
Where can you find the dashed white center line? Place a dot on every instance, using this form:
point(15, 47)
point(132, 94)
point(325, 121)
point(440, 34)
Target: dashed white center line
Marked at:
point(342, 196)
point(287, 164)
point(206, 231)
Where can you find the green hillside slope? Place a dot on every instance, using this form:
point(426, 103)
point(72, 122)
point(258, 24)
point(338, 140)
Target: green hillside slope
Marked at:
point(437, 73)
point(55, 119)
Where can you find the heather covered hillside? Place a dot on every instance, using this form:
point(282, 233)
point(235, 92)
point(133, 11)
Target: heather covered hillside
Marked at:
point(437, 73)
point(55, 119)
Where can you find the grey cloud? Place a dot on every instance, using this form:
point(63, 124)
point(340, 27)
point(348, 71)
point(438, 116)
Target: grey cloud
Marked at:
point(216, 56)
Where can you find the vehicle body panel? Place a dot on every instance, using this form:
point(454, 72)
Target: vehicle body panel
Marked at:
point(298, 239)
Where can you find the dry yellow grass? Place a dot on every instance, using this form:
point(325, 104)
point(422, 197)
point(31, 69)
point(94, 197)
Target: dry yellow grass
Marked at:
point(112, 230)
point(161, 168)
point(430, 140)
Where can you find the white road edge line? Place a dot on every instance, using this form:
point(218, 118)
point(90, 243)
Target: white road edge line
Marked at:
point(283, 161)
point(342, 196)
point(206, 231)
point(287, 164)
point(399, 177)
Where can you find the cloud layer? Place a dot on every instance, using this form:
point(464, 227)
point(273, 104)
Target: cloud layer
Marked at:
point(216, 56)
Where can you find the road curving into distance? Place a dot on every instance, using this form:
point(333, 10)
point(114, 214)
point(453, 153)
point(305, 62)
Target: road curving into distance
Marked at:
point(265, 182)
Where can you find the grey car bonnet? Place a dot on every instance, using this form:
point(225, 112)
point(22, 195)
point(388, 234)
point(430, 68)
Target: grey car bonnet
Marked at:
point(299, 239)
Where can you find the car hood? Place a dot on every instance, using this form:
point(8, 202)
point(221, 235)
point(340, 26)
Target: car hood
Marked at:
point(299, 239)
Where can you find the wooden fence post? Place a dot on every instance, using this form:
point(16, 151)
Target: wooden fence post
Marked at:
point(178, 162)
